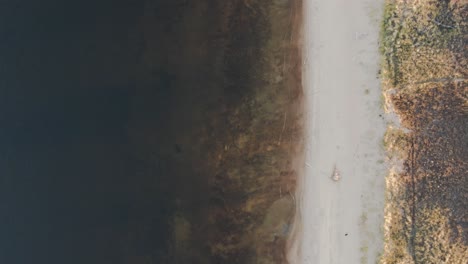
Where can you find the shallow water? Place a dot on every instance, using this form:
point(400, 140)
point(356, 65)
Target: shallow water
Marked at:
point(148, 131)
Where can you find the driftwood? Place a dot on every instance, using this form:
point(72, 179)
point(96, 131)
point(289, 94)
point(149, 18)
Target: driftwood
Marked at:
point(336, 175)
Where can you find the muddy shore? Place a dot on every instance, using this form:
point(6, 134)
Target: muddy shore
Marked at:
point(232, 168)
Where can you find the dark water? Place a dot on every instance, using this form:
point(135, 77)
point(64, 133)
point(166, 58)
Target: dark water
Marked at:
point(64, 145)
point(111, 114)
point(70, 170)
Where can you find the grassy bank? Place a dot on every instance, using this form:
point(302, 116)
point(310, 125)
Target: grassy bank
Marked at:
point(424, 72)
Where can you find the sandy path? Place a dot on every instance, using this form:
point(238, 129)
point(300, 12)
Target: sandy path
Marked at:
point(342, 220)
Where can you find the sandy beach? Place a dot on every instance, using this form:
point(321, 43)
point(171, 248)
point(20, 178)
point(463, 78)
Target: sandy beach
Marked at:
point(341, 221)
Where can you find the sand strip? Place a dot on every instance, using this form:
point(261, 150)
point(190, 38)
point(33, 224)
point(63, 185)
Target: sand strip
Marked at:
point(342, 220)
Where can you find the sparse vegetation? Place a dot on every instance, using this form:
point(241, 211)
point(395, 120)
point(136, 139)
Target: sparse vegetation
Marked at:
point(424, 72)
point(364, 250)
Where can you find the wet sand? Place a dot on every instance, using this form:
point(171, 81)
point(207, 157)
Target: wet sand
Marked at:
point(342, 220)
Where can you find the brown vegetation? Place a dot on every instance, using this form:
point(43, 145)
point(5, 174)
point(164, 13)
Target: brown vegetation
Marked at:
point(425, 82)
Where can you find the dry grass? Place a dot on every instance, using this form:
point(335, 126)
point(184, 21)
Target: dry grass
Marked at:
point(424, 65)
